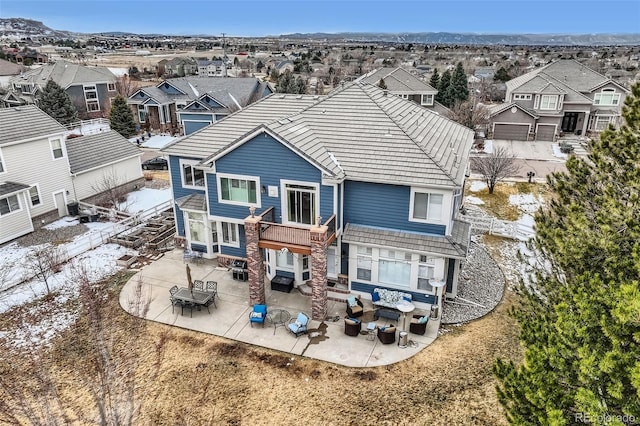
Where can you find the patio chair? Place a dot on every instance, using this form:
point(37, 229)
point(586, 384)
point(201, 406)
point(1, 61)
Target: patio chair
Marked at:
point(188, 305)
point(198, 285)
point(298, 325)
point(258, 315)
point(418, 324)
point(352, 326)
point(212, 287)
point(355, 308)
point(387, 335)
point(172, 291)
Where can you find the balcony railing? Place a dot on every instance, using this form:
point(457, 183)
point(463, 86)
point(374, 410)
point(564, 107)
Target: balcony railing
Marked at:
point(295, 238)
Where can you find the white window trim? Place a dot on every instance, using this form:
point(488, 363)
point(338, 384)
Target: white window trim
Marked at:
point(284, 207)
point(62, 148)
point(143, 109)
point(37, 187)
point(598, 96)
point(521, 97)
point(191, 163)
point(445, 205)
point(111, 87)
point(95, 100)
point(221, 234)
point(19, 204)
point(204, 223)
point(422, 99)
point(4, 165)
point(258, 202)
point(555, 107)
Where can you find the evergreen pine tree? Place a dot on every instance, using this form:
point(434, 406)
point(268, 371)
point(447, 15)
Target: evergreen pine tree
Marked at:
point(301, 86)
point(382, 84)
point(580, 320)
point(459, 87)
point(444, 93)
point(56, 102)
point(435, 79)
point(121, 117)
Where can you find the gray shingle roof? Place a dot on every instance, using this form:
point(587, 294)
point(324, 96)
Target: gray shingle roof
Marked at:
point(67, 74)
point(242, 88)
point(26, 122)
point(205, 142)
point(398, 80)
point(195, 202)
point(455, 245)
point(498, 108)
point(7, 188)
point(91, 151)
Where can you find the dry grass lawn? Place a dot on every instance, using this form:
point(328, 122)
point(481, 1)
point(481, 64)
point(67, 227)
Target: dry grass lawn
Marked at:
point(497, 203)
point(189, 378)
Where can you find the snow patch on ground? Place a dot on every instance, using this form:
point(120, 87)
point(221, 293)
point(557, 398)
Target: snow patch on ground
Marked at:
point(474, 200)
point(61, 223)
point(146, 198)
point(477, 186)
point(557, 153)
point(488, 146)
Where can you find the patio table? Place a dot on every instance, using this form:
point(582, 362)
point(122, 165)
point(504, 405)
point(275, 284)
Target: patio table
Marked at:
point(279, 318)
point(197, 297)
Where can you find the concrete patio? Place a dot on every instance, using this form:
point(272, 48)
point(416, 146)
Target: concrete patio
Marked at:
point(326, 341)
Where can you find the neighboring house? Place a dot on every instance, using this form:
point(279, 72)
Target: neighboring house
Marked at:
point(562, 97)
point(41, 171)
point(7, 71)
point(358, 187)
point(402, 83)
point(284, 66)
point(180, 67)
point(187, 104)
point(213, 68)
point(485, 73)
point(90, 88)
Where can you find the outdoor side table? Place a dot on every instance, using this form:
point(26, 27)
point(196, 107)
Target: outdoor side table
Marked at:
point(279, 318)
point(371, 331)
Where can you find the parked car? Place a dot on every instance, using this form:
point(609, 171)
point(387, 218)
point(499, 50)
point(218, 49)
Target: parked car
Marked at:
point(158, 163)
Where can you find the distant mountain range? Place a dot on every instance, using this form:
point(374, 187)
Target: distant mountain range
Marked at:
point(17, 28)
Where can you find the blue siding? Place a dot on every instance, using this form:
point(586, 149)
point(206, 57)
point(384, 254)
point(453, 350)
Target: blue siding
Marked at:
point(167, 88)
point(268, 159)
point(178, 190)
point(382, 206)
point(194, 126)
point(211, 102)
point(195, 106)
point(417, 297)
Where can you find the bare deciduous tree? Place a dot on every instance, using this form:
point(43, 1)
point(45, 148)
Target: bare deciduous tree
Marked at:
point(111, 191)
point(43, 263)
point(501, 163)
point(126, 86)
point(470, 115)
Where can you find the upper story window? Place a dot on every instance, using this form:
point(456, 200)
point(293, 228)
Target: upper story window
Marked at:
point(91, 98)
point(111, 87)
point(521, 97)
point(191, 176)
point(237, 189)
point(56, 148)
point(549, 102)
point(404, 96)
point(427, 100)
point(27, 88)
point(9, 204)
point(426, 206)
point(300, 202)
point(607, 97)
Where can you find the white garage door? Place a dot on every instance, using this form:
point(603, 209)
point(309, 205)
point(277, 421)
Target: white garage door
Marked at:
point(516, 132)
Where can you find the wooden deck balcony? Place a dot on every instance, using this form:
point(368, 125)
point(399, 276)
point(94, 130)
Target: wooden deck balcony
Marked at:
point(296, 239)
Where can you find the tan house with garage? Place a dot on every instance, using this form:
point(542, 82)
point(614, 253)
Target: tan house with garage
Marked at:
point(563, 97)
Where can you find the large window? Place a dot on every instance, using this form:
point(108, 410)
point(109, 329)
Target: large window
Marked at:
point(601, 122)
point(196, 227)
point(91, 98)
point(284, 260)
point(191, 176)
point(427, 100)
point(549, 102)
point(239, 189)
point(427, 207)
point(230, 234)
point(9, 204)
point(364, 263)
point(34, 196)
point(394, 267)
point(426, 271)
point(607, 97)
point(301, 203)
point(56, 148)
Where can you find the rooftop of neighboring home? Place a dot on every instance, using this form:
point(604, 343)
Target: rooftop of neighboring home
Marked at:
point(568, 74)
point(91, 151)
point(26, 122)
point(9, 68)
point(398, 80)
point(67, 74)
point(358, 132)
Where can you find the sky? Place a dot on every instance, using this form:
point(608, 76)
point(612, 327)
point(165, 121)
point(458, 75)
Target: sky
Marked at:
point(261, 18)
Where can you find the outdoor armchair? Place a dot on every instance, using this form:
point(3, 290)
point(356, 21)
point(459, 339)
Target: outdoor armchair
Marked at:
point(352, 326)
point(354, 307)
point(387, 335)
point(298, 325)
point(258, 314)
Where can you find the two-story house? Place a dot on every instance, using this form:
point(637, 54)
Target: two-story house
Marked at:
point(212, 68)
point(359, 187)
point(187, 104)
point(91, 89)
point(42, 170)
point(562, 97)
point(400, 82)
point(180, 67)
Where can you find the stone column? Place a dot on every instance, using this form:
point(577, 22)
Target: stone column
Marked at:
point(255, 264)
point(319, 272)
